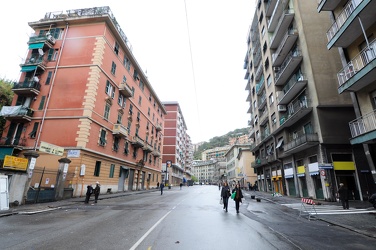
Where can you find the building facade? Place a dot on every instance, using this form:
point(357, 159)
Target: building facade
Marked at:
point(205, 171)
point(298, 121)
point(177, 147)
point(84, 108)
point(353, 34)
point(214, 153)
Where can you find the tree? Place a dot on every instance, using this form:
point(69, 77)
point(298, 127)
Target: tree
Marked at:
point(6, 97)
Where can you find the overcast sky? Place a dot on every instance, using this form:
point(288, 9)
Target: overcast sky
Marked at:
point(199, 65)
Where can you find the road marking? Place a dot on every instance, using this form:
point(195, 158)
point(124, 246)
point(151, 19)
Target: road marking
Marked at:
point(149, 231)
point(331, 209)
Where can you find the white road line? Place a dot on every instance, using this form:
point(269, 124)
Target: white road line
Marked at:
point(149, 231)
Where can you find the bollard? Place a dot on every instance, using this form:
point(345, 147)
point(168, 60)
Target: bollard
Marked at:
point(252, 197)
point(258, 199)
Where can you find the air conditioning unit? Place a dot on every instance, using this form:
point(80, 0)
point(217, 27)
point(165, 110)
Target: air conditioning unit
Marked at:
point(281, 108)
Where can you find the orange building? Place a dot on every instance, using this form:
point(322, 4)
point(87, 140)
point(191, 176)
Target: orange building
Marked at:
point(83, 99)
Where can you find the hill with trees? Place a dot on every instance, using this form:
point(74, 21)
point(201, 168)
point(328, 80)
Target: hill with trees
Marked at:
point(218, 141)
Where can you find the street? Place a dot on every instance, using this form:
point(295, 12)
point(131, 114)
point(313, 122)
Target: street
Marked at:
point(191, 218)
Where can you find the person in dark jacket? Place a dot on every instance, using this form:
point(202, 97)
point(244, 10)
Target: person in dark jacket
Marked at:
point(343, 195)
point(97, 191)
point(162, 186)
point(89, 191)
point(238, 196)
point(225, 194)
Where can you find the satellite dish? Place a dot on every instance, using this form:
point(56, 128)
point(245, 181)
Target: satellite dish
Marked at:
point(40, 51)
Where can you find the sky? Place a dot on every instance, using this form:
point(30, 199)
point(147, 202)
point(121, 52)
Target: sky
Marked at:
point(192, 52)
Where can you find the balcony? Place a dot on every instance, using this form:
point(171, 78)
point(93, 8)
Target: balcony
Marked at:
point(327, 5)
point(137, 142)
point(346, 28)
point(158, 127)
point(156, 153)
point(301, 143)
point(269, 8)
point(296, 111)
point(125, 90)
point(17, 113)
point(28, 87)
point(260, 85)
point(283, 25)
point(360, 72)
point(277, 12)
point(119, 130)
point(363, 129)
point(44, 41)
point(288, 66)
point(262, 102)
point(259, 72)
point(34, 62)
point(293, 87)
point(285, 46)
point(147, 148)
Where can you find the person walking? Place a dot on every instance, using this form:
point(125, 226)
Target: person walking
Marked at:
point(97, 191)
point(162, 186)
point(238, 196)
point(225, 194)
point(219, 186)
point(343, 195)
point(89, 191)
point(181, 185)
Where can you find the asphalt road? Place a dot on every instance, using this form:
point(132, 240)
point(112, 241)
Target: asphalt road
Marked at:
point(191, 218)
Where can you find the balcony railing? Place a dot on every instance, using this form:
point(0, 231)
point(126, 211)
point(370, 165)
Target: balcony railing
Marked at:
point(119, 129)
point(292, 54)
point(364, 124)
point(342, 17)
point(303, 139)
point(16, 112)
point(26, 87)
point(125, 90)
point(361, 60)
point(137, 142)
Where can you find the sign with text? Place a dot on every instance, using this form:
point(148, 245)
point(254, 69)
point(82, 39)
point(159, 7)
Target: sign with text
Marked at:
point(51, 149)
point(15, 163)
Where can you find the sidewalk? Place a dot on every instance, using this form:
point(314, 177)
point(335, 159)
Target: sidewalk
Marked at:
point(54, 205)
point(364, 224)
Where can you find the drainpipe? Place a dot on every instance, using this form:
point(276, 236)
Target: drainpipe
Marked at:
point(52, 84)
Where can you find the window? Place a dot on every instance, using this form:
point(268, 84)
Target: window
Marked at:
point(97, 168)
point(119, 117)
point(274, 119)
point(373, 99)
point(126, 148)
point(127, 63)
point(135, 152)
point(138, 116)
point(129, 126)
point(49, 76)
point(112, 170)
point(110, 90)
point(102, 138)
point(264, 48)
point(135, 75)
point(121, 101)
point(142, 86)
point(52, 54)
point(113, 68)
point(132, 91)
point(41, 104)
point(124, 79)
point(116, 48)
point(267, 63)
point(271, 99)
point(149, 111)
point(106, 111)
point(33, 133)
point(130, 109)
point(263, 31)
point(139, 100)
point(312, 159)
point(269, 80)
point(116, 144)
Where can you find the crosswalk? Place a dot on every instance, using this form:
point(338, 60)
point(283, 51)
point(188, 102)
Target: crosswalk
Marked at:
point(328, 209)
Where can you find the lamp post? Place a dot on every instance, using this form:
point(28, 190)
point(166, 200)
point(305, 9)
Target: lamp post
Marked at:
point(140, 164)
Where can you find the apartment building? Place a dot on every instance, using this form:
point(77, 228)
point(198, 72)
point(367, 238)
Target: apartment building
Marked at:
point(205, 171)
point(214, 153)
point(177, 146)
point(83, 110)
point(241, 139)
point(298, 121)
point(352, 33)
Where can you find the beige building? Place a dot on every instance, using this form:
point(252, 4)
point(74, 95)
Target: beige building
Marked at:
point(214, 153)
point(242, 139)
point(238, 165)
point(353, 34)
point(298, 121)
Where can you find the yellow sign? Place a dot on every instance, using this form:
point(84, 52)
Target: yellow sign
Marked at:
point(51, 149)
point(15, 163)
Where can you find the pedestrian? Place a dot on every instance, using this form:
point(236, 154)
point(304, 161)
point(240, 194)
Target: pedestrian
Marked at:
point(89, 191)
point(219, 186)
point(162, 186)
point(181, 185)
point(157, 184)
point(225, 194)
point(238, 196)
point(97, 191)
point(343, 195)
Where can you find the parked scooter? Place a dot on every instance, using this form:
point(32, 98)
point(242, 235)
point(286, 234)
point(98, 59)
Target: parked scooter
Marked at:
point(372, 199)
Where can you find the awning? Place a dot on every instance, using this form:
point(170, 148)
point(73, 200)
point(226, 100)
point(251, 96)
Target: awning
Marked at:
point(300, 175)
point(28, 68)
point(280, 143)
point(288, 176)
point(36, 45)
point(5, 151)
point(314, 173)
